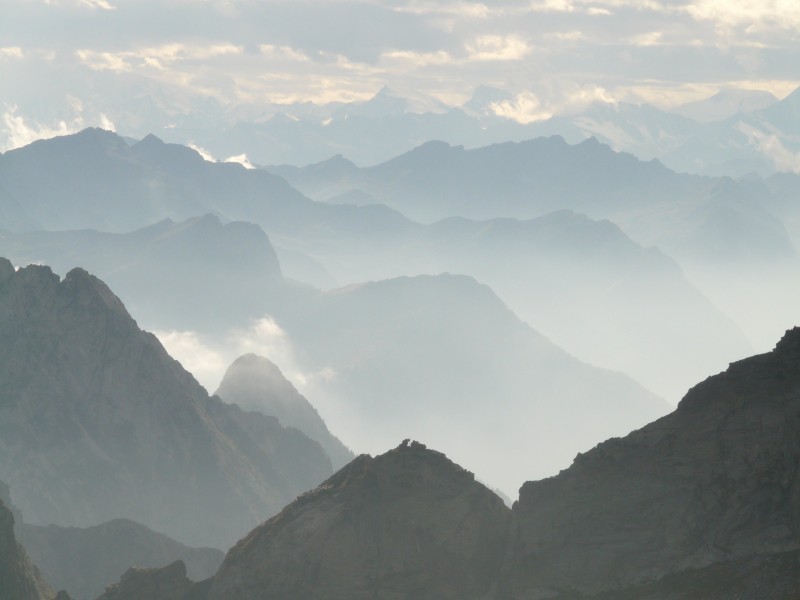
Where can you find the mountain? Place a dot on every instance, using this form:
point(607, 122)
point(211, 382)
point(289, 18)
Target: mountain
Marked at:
point(725, 104)
point(160, 270)
point(19, 577)
point(406, 524)
point(255, 383)
point(442, 358)
point(165, 583)
point(363, 352)
point(97, 422)
point(704, 492)
point(93, 179)
point(84, 561)
point(761, 141)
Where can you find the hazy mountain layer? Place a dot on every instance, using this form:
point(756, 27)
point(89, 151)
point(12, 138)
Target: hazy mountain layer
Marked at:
point(257, 384)
point(98, 422)
point(411, 347)
point(442, 358)
point(84, 561)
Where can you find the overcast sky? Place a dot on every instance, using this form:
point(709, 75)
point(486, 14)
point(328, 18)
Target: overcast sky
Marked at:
point(555, 55)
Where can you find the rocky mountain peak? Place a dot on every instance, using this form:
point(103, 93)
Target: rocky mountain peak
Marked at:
point(409, 524)
point(713, 482)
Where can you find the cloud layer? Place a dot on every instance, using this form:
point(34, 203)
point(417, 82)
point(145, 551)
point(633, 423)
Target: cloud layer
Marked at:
point(243, 56)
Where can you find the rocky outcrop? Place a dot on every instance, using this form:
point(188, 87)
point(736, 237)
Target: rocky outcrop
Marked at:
point(167, 583)
point(408, 524)
point(97, 422)
point(713, 488)
point(19, 578)
point(84, 561)
point(255, 383)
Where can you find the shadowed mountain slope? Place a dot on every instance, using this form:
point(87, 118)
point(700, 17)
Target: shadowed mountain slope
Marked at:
point(408, 524)
point(714, 483)
point(98, 422)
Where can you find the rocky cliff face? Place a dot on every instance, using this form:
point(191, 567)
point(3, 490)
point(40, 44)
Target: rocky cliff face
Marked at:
point(256, 383)
point(408, 524)
point(715, 483)
point(19, 578)
point(98, 422)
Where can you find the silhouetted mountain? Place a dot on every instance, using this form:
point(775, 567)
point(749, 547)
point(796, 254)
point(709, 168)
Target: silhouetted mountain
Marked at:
point(257, 384)
point(706, 493)
point(98, 422)
point(84, 561)
point(406, 524)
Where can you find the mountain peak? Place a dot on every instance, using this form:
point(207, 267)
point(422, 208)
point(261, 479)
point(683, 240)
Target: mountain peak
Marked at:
point(410, 521)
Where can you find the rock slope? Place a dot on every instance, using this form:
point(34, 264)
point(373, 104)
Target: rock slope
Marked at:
point(713, 485)
point(408, 524)
point(98, 422)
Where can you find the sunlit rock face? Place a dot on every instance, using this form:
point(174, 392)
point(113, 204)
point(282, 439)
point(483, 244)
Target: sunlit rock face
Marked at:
point(98, 422)
point(408, 524)
point(710, 494)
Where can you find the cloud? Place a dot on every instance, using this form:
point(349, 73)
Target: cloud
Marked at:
point(524, 108)
point(240, 159)
point(104, 61)
point(11, 52)
point(18, 132)
point(767, 14)
point(419, 59)
point(102, 4)
point(202, 152)
point(282, 52)
point(498, 48)
point(770, 145)
point(207, 357)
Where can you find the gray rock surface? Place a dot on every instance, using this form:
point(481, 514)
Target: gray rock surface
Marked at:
point(255, 383)
point(408, 524)
point(713, 483)
point(97, 422)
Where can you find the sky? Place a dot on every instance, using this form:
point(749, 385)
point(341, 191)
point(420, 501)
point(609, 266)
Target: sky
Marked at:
point(57, 57)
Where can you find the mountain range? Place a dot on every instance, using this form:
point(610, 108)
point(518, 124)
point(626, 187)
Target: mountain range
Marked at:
point(702, 503)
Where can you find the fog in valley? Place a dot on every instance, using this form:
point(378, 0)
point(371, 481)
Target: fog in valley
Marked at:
point(246, 243)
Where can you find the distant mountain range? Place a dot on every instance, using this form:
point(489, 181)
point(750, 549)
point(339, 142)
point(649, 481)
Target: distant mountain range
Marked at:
point(567, 292)
point(734, 132)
